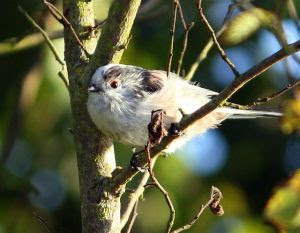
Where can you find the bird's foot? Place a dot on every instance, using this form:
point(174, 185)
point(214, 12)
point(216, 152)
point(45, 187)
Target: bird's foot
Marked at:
point(136, 161)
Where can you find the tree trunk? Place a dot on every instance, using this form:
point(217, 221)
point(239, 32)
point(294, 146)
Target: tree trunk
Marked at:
point(100, 209)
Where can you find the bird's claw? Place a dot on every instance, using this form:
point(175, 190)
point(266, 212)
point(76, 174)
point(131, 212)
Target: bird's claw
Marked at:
point(174, 130)
point(136, 161)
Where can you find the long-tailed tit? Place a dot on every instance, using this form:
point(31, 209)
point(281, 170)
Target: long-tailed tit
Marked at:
point(122, 97)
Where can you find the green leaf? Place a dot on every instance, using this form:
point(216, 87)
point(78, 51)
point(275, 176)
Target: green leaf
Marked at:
point(246, 24)
point(283, 208)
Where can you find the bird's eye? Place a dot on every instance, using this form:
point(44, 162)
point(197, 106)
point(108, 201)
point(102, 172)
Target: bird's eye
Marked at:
point(114, 84)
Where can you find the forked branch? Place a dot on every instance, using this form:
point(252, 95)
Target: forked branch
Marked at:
point(65, 22)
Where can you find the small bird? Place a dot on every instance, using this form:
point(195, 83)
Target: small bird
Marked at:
point(122, 97)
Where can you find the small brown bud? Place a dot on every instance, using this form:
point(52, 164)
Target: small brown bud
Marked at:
point(216, 209)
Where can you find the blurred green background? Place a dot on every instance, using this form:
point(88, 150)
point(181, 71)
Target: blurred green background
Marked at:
point(246, 159)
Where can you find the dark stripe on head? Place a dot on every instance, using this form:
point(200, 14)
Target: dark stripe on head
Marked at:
point(152, 81)
point(112, 72)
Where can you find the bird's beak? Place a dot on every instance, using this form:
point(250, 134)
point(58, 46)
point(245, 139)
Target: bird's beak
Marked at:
point(93, 88)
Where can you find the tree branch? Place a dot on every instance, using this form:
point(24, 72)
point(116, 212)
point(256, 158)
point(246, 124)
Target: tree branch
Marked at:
point(42, 222)
point(210, 29)
point(100, 209)
point(14, 45)
point(134, 215)
point(168, 201)
point(63, 20)
point(203, 54)
point(133, 198)
point(187, 29)
point(44, 34)
point(260, 101)
point(115, 34)
point(217, 101)
point(215, 197)
point(50, 45)
point(172, 33)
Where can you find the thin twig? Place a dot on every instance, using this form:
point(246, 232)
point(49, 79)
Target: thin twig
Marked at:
point(44, 34)
point(221, 51)
point(168, 201)
point(13, 45)
point(202, 55)
point(64, 21)
point(43, 222)
point(50, 44)
point(16, 44)
point(204, 52)
point(293, 13)
point(275, 95)
point(172, 33)
point(215, 197)
point(229, 13)
point(187, 29)
point(63, 77)
point(161, 189)
point(133, 218)
point(133, 197)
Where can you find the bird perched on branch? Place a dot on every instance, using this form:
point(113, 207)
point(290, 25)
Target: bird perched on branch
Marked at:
point(122, 97)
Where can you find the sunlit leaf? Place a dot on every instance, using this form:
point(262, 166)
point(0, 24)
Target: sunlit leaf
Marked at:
point(283, 208)
point(290, 122)
point(246, 24)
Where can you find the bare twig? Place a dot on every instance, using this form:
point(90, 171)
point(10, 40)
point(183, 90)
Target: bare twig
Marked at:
point(275, 95)
point(214, 200)
point(63, 77)
point(43, 222)
point(293, 13)
point(221, 51)
point(168, 201)
point(217, 101)
point(229, 13)
point(13, 45)
point(50, 44)
point(134, 215)
point(133, 197)
point(44, 34)
point(187, 29)
point(203, 54)
point(172, 33)
point(64, 21)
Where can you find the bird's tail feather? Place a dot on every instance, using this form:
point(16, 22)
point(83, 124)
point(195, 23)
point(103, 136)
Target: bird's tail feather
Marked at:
point(235, 113)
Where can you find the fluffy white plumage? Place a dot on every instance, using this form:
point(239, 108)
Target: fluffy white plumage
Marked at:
point(121, 99)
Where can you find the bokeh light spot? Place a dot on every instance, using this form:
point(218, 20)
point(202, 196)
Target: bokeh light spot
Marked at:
point(206, 154)
point(221, 72)
point(266, 49)
point(19, 160)
point(51, 190)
